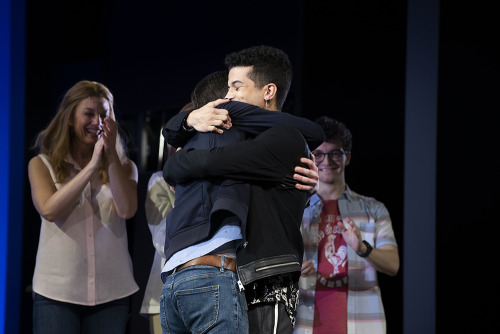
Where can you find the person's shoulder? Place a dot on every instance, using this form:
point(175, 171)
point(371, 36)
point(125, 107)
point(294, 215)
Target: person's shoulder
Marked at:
point(289, 131)
point(127, 162)
point(37, 166)
point(157, 179)
point(231, 103)
point(36, 158)
point(356, 196)
point(234, 105)
point(286, 137)
point(35, 161)
point(238, 105)
point(368, 201)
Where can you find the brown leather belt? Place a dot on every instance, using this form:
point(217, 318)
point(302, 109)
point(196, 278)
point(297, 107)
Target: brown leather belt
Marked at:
point(210, 260)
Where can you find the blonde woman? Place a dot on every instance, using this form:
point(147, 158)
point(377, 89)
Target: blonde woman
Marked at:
point(84, 188)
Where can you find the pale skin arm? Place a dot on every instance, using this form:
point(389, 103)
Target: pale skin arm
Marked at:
point(53, 204)
point(122, 177)
point(384, 258)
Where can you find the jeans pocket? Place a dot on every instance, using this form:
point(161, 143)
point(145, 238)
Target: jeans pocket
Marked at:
point(199, 307)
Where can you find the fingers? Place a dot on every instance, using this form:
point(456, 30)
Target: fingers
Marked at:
point(304, 187)
point(209, 118)
point(99, 145)
point(304, 175)
point(217, 130)
point(311, 172)
point(109, 128)
point(227, 123)
point(349, 220)
point(350, 226)
point(109, 124)
point(309, 162)
point(307, 177)
point(96, 155)
point(313, 158)
point(218, 102)
point(220, 121)
point(307, 268)
point(350, 223)
point(304, 182)
point(341, 225)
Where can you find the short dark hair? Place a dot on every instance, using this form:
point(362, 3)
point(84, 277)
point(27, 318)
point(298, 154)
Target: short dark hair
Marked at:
point(210, 88)
point(336, 131)
point(270, 65)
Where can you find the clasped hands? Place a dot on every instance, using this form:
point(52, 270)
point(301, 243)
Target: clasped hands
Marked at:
point(106, 144)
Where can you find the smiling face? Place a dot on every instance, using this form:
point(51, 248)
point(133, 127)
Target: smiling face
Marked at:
point(331, 171)
point(243, 89)
point(87, 119)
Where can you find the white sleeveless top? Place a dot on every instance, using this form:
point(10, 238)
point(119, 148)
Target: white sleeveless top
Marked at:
point(83, 258)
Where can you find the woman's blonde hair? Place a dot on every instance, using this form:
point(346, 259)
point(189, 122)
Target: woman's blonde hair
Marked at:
point(55, 141)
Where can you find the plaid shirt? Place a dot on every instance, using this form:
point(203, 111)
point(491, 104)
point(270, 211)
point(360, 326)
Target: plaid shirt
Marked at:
point(365, 312)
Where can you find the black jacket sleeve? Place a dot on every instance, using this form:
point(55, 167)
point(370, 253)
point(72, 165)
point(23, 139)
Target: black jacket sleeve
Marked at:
point(248, 118)
point(174, 132)
point(255, 120)
point(269, 157)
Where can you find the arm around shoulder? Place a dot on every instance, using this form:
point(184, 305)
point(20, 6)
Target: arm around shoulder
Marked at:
point(268, 158)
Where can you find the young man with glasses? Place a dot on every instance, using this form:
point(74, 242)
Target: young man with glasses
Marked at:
point(347, 239)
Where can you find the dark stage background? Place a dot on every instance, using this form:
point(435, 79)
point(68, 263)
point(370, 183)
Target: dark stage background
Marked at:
point(349, 62)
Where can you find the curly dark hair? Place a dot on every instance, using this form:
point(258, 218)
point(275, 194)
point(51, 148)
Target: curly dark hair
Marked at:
point(270, 65)
point(336, 131)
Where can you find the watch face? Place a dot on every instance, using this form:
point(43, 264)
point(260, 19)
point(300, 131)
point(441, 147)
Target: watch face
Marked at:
point(369, 249)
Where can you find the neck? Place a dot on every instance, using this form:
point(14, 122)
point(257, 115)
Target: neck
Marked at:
point(328, 191)
point(272, 105)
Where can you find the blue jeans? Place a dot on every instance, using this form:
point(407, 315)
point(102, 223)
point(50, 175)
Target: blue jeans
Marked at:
point(55, 317)
point(203, 299)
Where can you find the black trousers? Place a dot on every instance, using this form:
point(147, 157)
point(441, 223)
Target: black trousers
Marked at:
point(269, 318)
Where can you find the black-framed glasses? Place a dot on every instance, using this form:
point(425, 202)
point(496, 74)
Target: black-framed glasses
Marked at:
point(335, 155)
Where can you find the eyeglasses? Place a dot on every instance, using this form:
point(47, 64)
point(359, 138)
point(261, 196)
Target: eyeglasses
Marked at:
point(335, 155)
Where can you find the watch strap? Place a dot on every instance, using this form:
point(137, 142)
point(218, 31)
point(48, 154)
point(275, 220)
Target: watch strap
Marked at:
point(369, 249)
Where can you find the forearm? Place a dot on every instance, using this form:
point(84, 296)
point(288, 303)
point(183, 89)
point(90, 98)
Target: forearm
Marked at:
point(174, 132)
point(187, 165)
point(384, 259)
point(123, 184)
point(63, 200)
point(255, 120)
point(267, 158)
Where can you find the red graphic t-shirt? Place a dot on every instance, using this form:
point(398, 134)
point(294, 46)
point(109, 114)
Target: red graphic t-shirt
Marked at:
point(330, 314)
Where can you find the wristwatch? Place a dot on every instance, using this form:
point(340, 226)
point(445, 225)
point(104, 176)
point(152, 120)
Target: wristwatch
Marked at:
point(369, 249)
point(185, 126)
